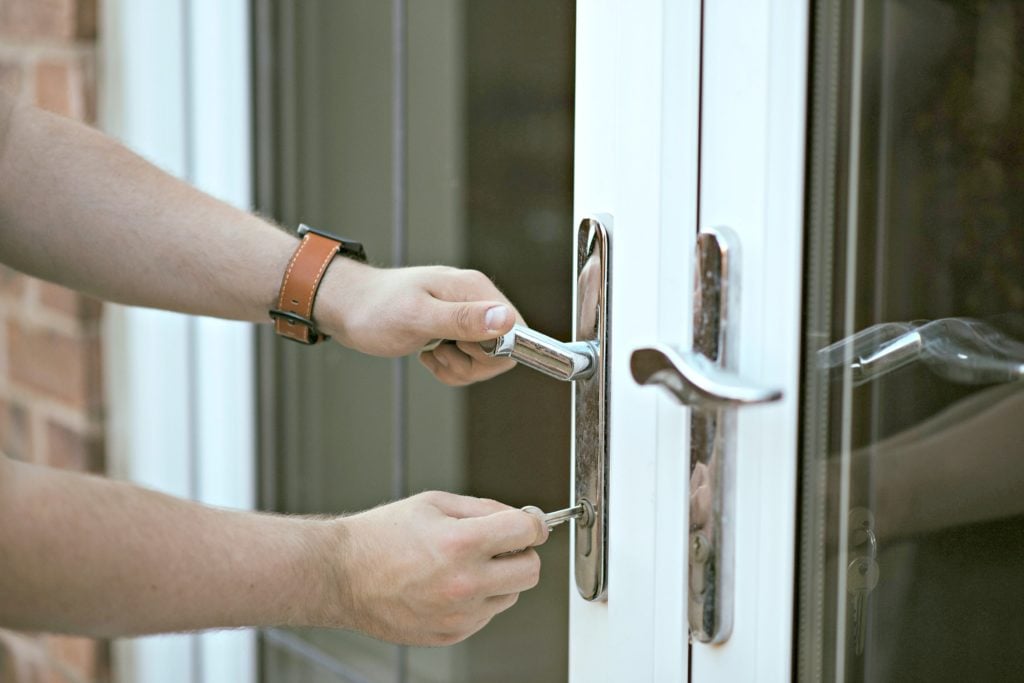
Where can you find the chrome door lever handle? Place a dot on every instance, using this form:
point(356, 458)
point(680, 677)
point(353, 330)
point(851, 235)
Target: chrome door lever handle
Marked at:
point(565, 361)
point(704, 378)
point(694, 380)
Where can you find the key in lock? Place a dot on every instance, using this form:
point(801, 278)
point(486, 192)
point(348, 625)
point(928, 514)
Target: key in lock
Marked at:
point(583, 513)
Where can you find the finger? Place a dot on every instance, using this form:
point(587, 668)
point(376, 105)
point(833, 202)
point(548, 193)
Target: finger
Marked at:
point(507, 531)
point(461, 507)
point(443, 374)
point(462, 369)
point(484, 366)
point(697, 477)
point(512, 573)
point(457, 362)
point(500, 603)
point(700, 507)
point(467, 321)
point(476, 352)
point(429, 362)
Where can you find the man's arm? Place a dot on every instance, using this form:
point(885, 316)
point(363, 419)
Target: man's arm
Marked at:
point(86, 555)
point(79, 209)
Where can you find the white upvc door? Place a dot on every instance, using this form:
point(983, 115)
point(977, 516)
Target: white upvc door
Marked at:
point(690, 117)
point(753, 130)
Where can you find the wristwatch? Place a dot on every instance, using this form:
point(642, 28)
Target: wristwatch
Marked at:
point(293, 317)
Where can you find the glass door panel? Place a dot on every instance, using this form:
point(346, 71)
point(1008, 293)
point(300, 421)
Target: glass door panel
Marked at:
point(912, 465)
point(460, 153)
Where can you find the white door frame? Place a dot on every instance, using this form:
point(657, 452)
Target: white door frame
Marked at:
point(637, 97)
point(175, 87)
point(752, 180)
point(637, 101)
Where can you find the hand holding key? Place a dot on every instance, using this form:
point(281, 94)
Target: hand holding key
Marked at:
point(434, 568)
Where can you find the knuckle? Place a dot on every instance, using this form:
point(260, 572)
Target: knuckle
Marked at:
point(446, 638)
point(462, 318)
point(455, 543)
point(533, 569)
point(482, 278)
point(431, 497)
point(464, 375)
point(477, 281)
point(459, 588)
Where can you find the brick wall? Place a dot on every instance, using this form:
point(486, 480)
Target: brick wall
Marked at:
point(51, 409)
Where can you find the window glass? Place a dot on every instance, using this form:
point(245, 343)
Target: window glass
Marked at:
point(912, 518)
point(483, 179)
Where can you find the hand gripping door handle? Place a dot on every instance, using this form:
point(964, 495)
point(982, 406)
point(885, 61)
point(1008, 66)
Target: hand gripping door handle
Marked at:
point(565, 361)
point(703, 378)
point(584, 362)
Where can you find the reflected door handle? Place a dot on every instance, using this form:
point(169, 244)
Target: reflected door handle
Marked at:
point(704, 378)
point(565, 361)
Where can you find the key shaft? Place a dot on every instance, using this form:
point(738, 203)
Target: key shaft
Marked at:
point(553, 519)
point(584, 512)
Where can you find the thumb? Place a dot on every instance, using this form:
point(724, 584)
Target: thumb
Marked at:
point(470, 320)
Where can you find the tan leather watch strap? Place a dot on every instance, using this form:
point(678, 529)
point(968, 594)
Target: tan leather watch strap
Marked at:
point(293, 317)
point(294, 312)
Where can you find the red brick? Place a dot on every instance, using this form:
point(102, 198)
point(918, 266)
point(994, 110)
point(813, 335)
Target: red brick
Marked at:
point(67, 87)
point(67, 301)
point(15, 431)
point(84, 658)
point(54, 88)
point(63, 367)
point(52, 19)
point(69, 450)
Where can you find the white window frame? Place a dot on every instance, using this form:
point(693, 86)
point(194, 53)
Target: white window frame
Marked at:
point(176, 88)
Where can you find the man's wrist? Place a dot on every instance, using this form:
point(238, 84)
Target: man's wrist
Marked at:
point(324, 575)
point(340, 292)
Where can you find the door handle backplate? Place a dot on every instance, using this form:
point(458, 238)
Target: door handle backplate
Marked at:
point(704, 379)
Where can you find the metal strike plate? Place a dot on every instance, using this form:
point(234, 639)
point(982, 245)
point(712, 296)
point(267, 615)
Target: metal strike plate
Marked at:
point(590, 407)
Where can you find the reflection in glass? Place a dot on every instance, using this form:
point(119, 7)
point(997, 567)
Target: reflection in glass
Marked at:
point(912, 428)
point(959, 350)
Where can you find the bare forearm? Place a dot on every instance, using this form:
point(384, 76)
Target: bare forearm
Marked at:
point(80, 209)
point(86, 555)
